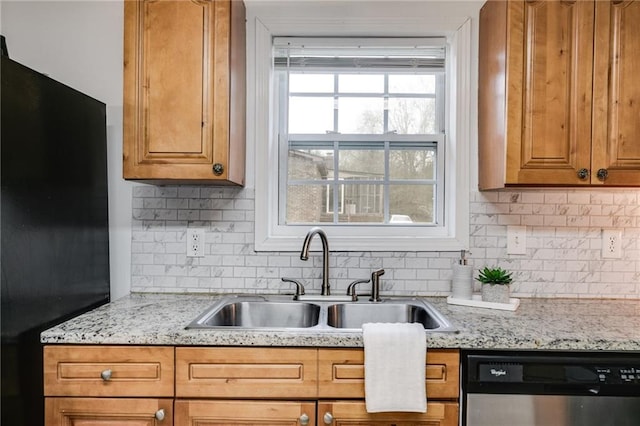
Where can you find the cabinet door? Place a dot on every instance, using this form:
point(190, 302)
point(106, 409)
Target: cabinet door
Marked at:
point(616, 115)
point(535, 92)
point(223, 413)
point(183, 60)
point(108, 412)
point(554, 140)
point(341, 373)
point(345, 413)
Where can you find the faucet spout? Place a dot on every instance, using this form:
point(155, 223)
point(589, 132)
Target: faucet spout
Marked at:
point(304, 255)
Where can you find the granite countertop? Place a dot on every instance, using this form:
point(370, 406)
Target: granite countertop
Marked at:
point(558, 324)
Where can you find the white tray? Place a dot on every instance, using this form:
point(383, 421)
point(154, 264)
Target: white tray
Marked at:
point(476, 301)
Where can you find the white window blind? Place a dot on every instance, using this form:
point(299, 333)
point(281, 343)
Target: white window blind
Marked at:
point(360, 54)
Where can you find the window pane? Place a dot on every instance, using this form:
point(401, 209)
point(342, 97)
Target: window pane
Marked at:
point(360, 115)
point(352, 177)
point(414, 201)
point(307, 204)
point(403, 83)
point(361, 164)
point(360, 83)
point(363, 203)
point(412, 115)
point(311, 83)
point(310, 114)
point(310, 164)
point(329, 199)
point(408, 163)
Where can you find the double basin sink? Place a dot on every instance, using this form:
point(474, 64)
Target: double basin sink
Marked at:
point(282, 313)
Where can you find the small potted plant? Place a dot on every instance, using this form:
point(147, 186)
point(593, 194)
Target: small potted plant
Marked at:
point(495, 284)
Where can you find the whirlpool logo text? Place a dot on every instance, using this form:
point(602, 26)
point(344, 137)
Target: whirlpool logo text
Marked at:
point(498, 373)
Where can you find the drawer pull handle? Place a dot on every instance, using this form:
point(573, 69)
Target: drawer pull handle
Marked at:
point(160, 414)
point(106, 375)
point(304, 419)
point(327, 418)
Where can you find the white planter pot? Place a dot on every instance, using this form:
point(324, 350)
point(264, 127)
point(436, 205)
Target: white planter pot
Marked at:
point(495, 293)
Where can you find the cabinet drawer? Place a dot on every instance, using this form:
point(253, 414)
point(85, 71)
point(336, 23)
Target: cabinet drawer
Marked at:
point(355, 412)
point(108, 371)
point(341, 373)
point(243, 412)
point(246, 372)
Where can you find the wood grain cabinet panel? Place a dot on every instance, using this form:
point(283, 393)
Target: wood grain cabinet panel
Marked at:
point(558, 93)
point(228, 385)
point(108, 371)
point(246, 372)
point(616, 114)
point(108, 412)
point(341, 373)
point(245, 412)
point(184, 90)
point(345, 413)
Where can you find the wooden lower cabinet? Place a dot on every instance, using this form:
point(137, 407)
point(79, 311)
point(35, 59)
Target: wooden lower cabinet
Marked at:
point(340, 413)
point(244, 412)
point(108, 412)
point(337, 413)
point(208, 386)
point(259, 386)
point(101, 385)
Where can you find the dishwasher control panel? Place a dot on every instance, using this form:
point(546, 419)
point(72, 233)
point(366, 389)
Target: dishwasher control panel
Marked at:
point(618, 374)
point(524, 372)
point(556, 373)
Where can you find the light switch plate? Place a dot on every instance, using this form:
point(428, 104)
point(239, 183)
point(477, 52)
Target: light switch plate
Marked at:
point(516, 239)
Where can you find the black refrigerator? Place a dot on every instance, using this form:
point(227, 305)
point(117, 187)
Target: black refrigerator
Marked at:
point(55, 230)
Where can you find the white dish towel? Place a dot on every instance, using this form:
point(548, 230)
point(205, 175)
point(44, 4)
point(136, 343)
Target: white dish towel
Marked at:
point(394, 367)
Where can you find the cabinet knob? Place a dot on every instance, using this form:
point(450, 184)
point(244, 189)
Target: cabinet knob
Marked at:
point(602, 174)
point(106, 375)
point(327, 418)
point(160, 414)
point(218, 169)
point(583, 174)
point(304, 419)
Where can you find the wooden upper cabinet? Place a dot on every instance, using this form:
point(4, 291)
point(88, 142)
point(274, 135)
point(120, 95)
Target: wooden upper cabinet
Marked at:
point(184, 91)
point(616, 114)
point(545, 92)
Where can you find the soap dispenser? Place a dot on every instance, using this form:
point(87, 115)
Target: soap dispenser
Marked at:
point(462, 278)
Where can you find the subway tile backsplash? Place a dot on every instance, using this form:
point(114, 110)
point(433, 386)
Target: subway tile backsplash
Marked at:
point(563, 256)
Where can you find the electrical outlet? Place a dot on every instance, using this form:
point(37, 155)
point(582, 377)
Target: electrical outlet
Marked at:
point(516, 240)
point(195, 242)
point(611, 244)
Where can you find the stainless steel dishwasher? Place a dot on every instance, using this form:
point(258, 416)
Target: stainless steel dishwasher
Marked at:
point(513, 388)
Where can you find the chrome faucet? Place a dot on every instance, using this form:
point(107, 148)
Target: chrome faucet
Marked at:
point(304, 255)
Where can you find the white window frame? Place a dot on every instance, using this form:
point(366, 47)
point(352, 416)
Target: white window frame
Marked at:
point(262, 129)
